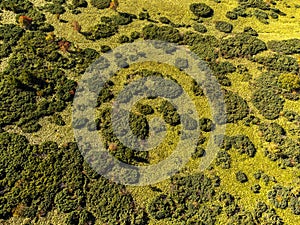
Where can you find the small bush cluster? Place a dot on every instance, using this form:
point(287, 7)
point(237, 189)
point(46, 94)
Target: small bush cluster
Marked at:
point(100, 4)
point(289, 46)
point(163, 33)
point(27, 78)
point(241, 177)
point(169, 113)
point(139, 125)
point(281, 147)
point(187, 196)
point(242, 45)
point(224, 26)
point(231, 15)
point(9, 34)
point(16, 6)
point(241, 143)
point(206, 124)
point(54, 8)
point(250, 31)
point(200, 28)
point(203, 45)
point(272, 132)
point(283, 197)
point(196, 89)
point(261, 16)
point(223, 159)
point(120, 151)
point(236, 107)
point(279, 63)
point(201, 10)
point(266, 96)
point(268, 102)
point(79, 3)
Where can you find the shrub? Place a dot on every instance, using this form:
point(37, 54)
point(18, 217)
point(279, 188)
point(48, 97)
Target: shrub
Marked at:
point(201, 10)
point(242, 45)
point(54, 8)
point(206, 124)
point(250, 31)
point(261, 16)
point(100, 4)
point(79, 3)
point(105, 48)
point(122, 19)
point(243, 145)
point(187, 197)
point(124, 39)
point(199, 152)
point(164, 33)
point(144, 109)
point(236, 107)
point(200, 28)
point(272, 132)
point(241, 11)
point(222, 68)
point(241, 177)
point(188, 122)
point(231, 15)
point(224, 26)
point(144, 15)
point(291, 115)
point(10, 33)
point(202, 45)
point(135, 35)
point(139, 125)
point(165, 20)
point(170, 114)
point(279, 63)
point(102, 31)
point(161, 207)
point(58, 120)
point(111, 203)
point(279, 196)
point(196, 89)
point(256, 188)
point(268, 102)
point(223, 159)
point(290, 46)
point(260, 4)
point(17, 6)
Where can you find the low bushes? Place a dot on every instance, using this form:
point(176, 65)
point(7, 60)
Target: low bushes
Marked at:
point(231, 15)
point(224, 26)
point(163, 33)
point(100, 4)
point(241, 177)
point(289, 46)
point(279, 63)
point(242, 45)
point(268, 102)
point(266, 96)
point(200, 28)
point(236, 107)
point(169, 113)
point(187, 196)
point(201, 10)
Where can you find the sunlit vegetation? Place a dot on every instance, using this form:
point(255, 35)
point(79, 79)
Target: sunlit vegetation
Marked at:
point(46, 47)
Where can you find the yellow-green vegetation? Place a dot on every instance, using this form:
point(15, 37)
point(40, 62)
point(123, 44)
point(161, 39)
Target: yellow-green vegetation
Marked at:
point(252, 48)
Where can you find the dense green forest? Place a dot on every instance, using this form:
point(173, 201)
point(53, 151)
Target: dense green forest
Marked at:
point(252, 48)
